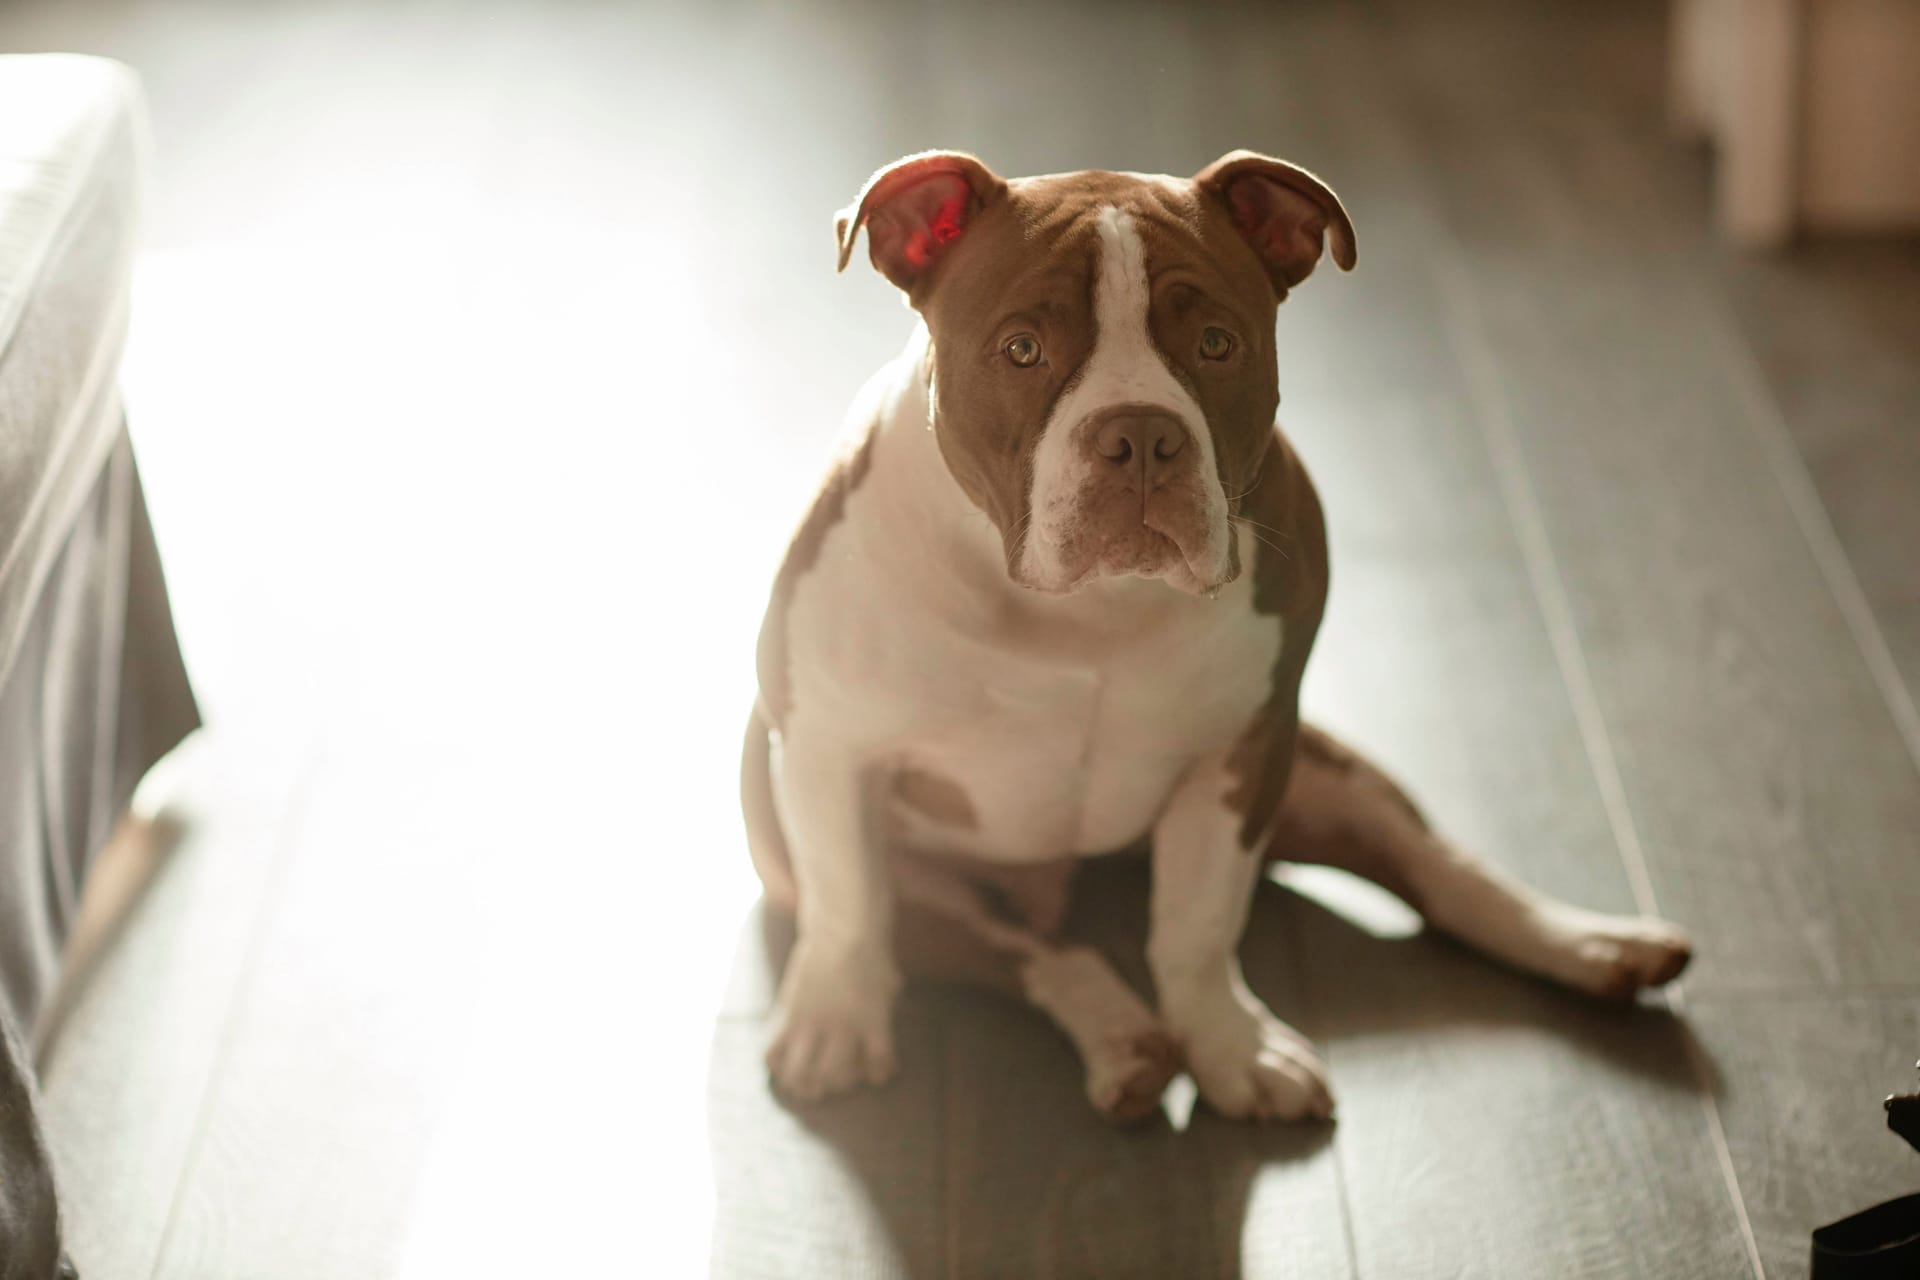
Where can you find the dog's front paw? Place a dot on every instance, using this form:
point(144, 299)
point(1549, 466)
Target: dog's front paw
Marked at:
point(833, 1024)
point(1248, 1064)
point(1616, 957)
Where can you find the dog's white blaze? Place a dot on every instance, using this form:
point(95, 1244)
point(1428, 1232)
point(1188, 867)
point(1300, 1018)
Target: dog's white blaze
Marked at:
point(1124, 368)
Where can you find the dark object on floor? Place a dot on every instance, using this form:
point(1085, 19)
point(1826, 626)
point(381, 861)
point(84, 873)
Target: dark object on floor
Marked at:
point(1881, 1243)
point(1903, 1115)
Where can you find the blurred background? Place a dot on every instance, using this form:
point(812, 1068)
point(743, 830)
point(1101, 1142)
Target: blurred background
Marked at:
point(485, 353)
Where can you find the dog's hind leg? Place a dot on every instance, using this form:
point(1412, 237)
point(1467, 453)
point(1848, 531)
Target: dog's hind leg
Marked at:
point(947, 930)
point(1342, 811)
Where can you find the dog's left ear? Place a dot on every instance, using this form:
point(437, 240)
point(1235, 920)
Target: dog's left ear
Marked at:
point(1283, 211)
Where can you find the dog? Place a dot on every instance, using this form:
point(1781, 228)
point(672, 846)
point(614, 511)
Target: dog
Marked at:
point(1054, 598)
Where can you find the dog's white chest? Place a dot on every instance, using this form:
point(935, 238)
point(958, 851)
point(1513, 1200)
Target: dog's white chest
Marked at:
point(1015, 727)
point(1059, 758)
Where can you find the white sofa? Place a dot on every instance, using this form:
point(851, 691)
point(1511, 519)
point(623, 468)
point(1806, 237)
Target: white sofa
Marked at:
point(92, 688)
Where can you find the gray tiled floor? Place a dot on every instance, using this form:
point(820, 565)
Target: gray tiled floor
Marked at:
point(464, 327)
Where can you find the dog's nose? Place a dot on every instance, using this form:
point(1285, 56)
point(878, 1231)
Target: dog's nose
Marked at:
point(1139, 437)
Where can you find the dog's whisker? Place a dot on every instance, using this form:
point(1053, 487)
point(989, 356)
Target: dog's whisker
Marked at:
point(1264, 541)
point(1278, 533)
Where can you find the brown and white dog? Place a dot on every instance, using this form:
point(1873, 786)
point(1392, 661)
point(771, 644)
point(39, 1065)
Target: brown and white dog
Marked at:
point(1056, 596)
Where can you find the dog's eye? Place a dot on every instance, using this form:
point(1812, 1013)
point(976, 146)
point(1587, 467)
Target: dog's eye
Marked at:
point(1024, 350)
point(1215, 344)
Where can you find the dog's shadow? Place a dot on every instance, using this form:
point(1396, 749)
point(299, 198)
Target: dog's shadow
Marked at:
point(984, 1157)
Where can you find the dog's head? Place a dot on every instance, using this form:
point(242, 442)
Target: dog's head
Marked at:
point(1103, 379)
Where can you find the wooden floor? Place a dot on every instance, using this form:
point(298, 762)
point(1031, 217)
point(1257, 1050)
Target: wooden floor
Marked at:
point(483, 354)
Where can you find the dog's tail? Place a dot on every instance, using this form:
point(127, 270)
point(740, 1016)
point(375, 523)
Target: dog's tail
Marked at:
point(766, 843)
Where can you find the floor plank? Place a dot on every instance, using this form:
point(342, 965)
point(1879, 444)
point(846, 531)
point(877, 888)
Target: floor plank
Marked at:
point(1493, 1125)
point(127, 1079)
point(1835, 339)
point(344, 1036)
point(874, 1167)
point(1804, 1082)
point(1731, 824)
point(1037, 1184)
point(1434, 611)
point(1674, 543)
point(853, 1187)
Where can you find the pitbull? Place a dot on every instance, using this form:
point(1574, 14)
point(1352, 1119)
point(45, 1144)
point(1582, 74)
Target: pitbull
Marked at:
point(1055, 598)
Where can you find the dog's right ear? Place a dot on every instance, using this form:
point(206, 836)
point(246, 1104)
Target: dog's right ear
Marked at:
point(913, 209)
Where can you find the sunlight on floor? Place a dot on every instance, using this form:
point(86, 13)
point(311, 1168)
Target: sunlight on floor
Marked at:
point(512, 590)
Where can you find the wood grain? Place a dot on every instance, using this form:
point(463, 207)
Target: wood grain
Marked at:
point(1836, 339)
point(1038, 1184)
point(345, 1035)
point(1804, 1082)
point(142, 1040)
point(1495, 1125)
point(1675, 544)
point(853, 1187)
